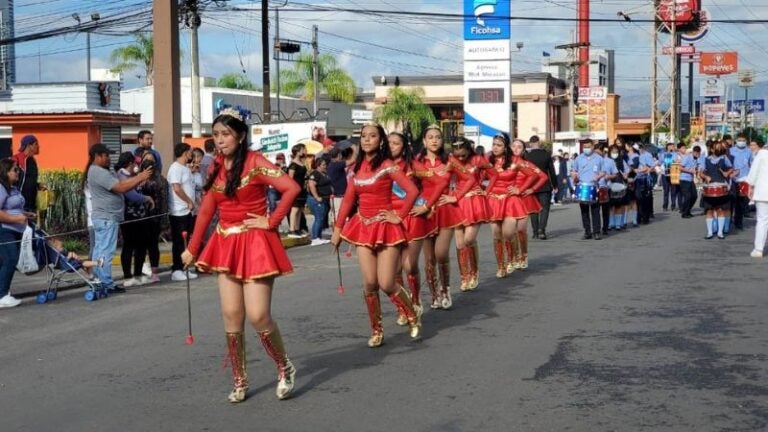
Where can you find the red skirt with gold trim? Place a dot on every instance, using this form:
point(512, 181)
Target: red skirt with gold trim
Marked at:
point(531, 203)
point(246, 256)
point(448, 216)
point(372, 232)
point(501, 207)
point(419, 227)
point(475, 209)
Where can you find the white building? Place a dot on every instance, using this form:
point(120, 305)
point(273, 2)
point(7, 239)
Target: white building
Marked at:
point(602, 70)
point(7, 52)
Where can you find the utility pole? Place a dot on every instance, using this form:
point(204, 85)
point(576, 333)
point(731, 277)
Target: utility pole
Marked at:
point(193, 21)
point(277, 60)
point(673, 118)
point(655, 74)
point(315, 70)
point(266, 103)
point(690, 85)
point(167, 100)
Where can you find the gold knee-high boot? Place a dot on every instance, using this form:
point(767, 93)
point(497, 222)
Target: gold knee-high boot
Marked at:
point(432, 284)
point(498, 250)
point(414, 285)
point(461, 257)
point(401, 319)
point(236, 357)
point(374, 315)
point(472, 263)
point(511, 247)
point(402, 300)
point(445, 279)
point(286, 372)
point(522, 237)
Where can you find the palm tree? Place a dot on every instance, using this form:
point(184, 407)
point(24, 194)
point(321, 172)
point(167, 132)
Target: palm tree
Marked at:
point(234, 80)
point(139, 53)
point(334, 82)
point(406, 109)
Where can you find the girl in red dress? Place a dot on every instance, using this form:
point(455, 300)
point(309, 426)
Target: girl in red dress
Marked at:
point(504, 202)
point(529, 179)
point(474, 208)
point(418, 225)
point(447, 213)
point(245, 249)
point(376, 229)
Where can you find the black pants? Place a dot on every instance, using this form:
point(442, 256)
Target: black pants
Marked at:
point(671, 191)
point(179, 224)
point(592, 210)
point(605, 210)
point(153, 243)
point(539, 220)
point(644, 191)
point(135, 241)
point(739, 205)
point(688, 192)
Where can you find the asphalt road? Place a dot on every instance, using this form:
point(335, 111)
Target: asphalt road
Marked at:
point(655, 329)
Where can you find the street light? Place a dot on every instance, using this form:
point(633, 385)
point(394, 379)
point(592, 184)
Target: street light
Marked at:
point(94, 18)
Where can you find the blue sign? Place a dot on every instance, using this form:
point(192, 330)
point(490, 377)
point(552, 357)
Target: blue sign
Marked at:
point(753, 105)
point(486, 19)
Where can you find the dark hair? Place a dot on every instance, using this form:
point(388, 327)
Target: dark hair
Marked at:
point(504, 137)
point(727, 137)
point(381, 155)
point(6, 165)
point(681, 145)
point(296, 149)
point(145, 164)
point(464, 144)
point(534, 139)
point(619, 160)
point(210, 145)
point(125, 159)
point(407, 150)
point(316, 163)
point(198, 151)
point(480, 150)
point(179, 149)
point(333, 153)
point(697, 149)
point(441, 154)
point(238, 162)
point(144, 132)
point(522, 155)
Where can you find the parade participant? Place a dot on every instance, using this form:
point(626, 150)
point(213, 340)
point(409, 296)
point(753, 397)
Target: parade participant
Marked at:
point(758, 192)
point(474, 209)
point(376, 229)
point(611, 171)
point(668, 158)
point(687, 173)
point(504, 210)
point(417, 225)
point(447, 213)
point(245, 249)
point(528, 180)
point(617, 218)
point(587, 172)
point(644, 185)
point(742, 158)
point(543, 161)
point(633, 162)
point(717, 169)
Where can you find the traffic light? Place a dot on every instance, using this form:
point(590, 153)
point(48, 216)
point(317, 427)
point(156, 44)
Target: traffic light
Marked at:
point(288, 47)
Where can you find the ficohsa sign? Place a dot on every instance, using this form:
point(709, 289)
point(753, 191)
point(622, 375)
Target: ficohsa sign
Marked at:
point(486, 19)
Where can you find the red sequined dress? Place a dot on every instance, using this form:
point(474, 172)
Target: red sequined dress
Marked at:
point(499, 203)
point(447, 215)
point(474, 204)
point(247, 254)
point(529, 176)
point(416, 227)
point(372, 191)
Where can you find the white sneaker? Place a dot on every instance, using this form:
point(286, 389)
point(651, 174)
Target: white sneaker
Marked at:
point(325, 241)
point(132, 282)
point(178, 276)
point(146, 269)
point(756, 254)
point(9, 301)
point(192, 274)
point(316, 242)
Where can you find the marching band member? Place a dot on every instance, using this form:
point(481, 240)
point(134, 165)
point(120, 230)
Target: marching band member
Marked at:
point(717, 169)
point(587, 169)
point(742, 158)
point(448, 215)
point(687, 173)
point(245, 249)
point(667, 158)
point(474, 209)
point(633, 162)
point(417, 224)
point(528, 180)
point(610, 172)
point(644, 185)
point(618, 216)
point(376, 229)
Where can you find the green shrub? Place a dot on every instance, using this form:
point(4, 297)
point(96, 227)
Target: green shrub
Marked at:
point(67, 211)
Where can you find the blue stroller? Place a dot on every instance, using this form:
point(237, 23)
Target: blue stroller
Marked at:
point(62, 270)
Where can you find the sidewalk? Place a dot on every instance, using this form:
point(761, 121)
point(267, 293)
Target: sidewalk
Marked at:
point(29, 286)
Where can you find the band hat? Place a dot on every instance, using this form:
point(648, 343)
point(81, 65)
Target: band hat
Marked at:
point(26, 141)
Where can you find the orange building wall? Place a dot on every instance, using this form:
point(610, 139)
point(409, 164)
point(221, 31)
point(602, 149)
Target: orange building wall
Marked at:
point(61, 147)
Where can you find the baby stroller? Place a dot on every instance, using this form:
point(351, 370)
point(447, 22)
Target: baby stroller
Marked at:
point(61, 270)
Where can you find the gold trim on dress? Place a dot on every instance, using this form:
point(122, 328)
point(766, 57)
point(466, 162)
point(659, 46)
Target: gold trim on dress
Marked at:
point(253, 172)
point(235, 229)
point(252, 278)
point(374, 178)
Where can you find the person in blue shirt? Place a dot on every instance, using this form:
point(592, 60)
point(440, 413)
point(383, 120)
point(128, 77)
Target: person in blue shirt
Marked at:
point(717, 169)
point(587, 170)
point(618, 215)
point(669, 157)
point(633, 161)
point(610, 171)
point(742, 158)
point(644, 185)
point(688, 170)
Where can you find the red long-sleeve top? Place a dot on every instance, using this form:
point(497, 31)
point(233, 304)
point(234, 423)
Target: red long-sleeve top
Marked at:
point(529, 175)
point(477, 168)
point(372, 190)
point(415, 170)
point(251, 197)
point(444, 171)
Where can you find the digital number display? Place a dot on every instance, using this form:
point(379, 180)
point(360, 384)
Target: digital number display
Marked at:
point(486, 95)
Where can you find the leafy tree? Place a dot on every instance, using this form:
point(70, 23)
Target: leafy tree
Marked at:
point(234, 80)
point(407, 110)
point(334, 81)
point(139, 53)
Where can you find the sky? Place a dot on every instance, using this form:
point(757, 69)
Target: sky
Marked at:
point(367, 45)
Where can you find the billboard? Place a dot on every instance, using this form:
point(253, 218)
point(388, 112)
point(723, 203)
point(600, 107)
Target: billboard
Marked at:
point(712, 87)
point(486, 19)
point(275, 138)
point(591, 112)
point(719, 63)
point(686, 13)
point(714, 114)
point(753, 105)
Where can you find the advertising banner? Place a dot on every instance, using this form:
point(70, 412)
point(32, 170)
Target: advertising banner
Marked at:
point(714, 114)
point(719, 63)
point(275, 138)
point(685, 11)
point(753, 105)
point(591, 112)
point(712, 87)
point(486, 19)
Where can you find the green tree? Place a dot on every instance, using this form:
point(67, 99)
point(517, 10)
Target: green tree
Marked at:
point(139, 53)
point(406, 109)
point(234, 80)
point(334, 81)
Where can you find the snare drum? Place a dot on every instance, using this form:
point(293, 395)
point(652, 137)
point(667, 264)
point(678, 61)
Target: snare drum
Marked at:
point(586, 193)
point(715, 190)
point(743, 189)
point(618, 191)
point(603, 195)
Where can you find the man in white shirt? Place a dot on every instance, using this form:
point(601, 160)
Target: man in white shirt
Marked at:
point(180, 204)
